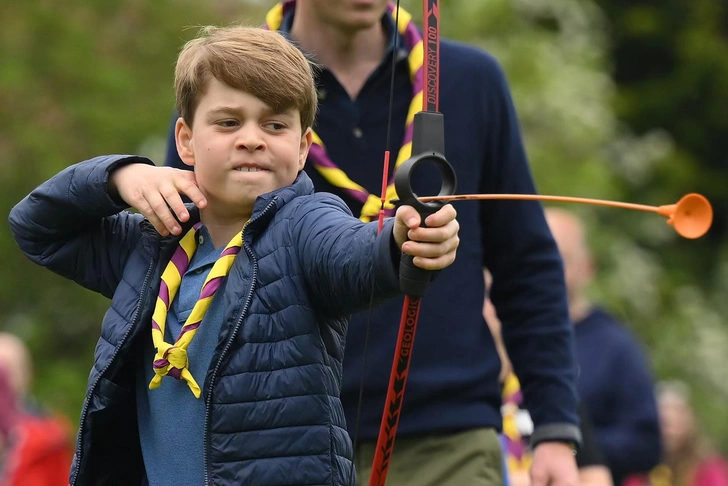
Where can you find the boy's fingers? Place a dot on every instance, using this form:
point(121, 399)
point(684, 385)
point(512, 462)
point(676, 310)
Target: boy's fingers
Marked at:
point(443, 216)
point(187, 185)
point(430, 250)
point(409, 216)
point(435, 234)
point(175, 202)
point(434, 263)
point(161, 210)
point(146, 210)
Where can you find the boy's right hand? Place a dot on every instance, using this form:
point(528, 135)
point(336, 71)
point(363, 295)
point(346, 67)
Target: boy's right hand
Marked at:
point(154, 190)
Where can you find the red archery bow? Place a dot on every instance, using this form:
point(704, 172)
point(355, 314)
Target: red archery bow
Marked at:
point(428, 145)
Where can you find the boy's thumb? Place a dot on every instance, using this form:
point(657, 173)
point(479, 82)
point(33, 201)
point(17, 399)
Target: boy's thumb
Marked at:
point(410, 216)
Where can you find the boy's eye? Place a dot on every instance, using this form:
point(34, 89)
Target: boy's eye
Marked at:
point(275, 126)
point(227, 123)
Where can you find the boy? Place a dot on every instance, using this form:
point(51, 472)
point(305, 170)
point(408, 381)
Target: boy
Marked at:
point(264, 273)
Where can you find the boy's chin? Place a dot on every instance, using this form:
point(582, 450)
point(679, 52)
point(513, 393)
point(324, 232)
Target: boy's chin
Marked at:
point(231, 205)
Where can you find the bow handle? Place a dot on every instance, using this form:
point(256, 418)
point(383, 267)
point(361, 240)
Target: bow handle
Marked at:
point(428, 147)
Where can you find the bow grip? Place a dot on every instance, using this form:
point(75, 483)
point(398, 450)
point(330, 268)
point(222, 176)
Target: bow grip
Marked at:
point(428, 147)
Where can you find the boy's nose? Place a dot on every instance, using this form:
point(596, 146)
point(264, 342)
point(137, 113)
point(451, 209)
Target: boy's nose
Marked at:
point(250, 139)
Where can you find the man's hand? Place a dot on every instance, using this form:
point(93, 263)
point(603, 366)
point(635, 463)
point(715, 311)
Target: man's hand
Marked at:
point(154, 190)
point(434, 246)
point(554, 464)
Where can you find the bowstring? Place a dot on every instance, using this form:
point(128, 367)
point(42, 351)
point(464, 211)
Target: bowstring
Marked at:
point(367, 334)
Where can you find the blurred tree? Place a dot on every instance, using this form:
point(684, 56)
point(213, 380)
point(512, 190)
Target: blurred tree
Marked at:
point(670, 65)
point(671, 69)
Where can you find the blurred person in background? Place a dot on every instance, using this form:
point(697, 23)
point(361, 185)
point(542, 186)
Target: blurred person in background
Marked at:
point(517, 424)
point(614, 379)
point(689, 459)
point(447, 434)
point(8, 420)
point(39, 449)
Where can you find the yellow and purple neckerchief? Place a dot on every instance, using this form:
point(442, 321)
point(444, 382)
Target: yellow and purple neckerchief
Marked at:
point(517, 454)
point(317, 154)
point(171, 359)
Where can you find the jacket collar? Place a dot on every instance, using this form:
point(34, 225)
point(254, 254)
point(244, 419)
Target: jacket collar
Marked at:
point(267, 205)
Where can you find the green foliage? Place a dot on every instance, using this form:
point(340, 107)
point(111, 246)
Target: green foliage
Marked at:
point(628, 102)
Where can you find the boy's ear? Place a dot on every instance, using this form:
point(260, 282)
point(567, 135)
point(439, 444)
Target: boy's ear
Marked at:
point(183, 139)
point(306, 141)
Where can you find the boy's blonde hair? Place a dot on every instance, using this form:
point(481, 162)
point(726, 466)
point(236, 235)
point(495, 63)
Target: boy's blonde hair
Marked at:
point(254, 60)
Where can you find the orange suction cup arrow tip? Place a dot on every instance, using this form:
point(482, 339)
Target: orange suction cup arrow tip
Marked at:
point(691, 216)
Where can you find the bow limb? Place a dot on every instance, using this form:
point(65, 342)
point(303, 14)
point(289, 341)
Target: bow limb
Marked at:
point(428, 146)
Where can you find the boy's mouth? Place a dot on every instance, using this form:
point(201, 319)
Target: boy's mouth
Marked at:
point(249, 168)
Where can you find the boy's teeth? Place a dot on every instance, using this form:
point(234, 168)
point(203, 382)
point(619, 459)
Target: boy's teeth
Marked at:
point(247, 169)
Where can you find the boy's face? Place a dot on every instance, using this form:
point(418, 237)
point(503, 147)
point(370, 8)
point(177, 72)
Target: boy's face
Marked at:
point(240, 148)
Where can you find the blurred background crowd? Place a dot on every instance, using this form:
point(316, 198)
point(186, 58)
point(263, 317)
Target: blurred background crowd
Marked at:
point(618, 99)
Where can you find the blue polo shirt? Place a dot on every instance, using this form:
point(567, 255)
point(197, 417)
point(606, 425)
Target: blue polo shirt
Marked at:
point(453, 379)
point(171, 419)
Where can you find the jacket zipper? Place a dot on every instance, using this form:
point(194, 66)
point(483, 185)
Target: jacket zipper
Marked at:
point(84, 412)
point(229, 342)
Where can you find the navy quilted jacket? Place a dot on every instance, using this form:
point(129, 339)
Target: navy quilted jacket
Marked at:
point(272, 391)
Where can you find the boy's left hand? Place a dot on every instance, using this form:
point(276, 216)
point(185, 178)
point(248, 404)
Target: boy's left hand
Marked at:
point(434, 246)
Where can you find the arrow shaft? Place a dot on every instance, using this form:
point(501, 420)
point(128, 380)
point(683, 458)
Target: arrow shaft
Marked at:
point(537, 197)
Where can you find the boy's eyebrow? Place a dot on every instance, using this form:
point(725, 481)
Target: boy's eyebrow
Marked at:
point(224, 110)
point(231, 110)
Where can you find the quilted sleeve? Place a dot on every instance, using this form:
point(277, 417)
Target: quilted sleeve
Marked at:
point(72, 226)
point(343, 259)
